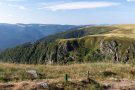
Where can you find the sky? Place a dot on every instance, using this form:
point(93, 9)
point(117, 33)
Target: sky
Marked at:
point(75, 12)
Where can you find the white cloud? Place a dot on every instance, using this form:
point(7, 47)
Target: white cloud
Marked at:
point(17, 6)
point(78, 5)
point(22, 7)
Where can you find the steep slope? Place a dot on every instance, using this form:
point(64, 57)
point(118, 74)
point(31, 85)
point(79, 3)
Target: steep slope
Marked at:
point(15, 34)
point(90, 44)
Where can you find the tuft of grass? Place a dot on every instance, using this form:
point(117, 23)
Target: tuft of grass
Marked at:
point(108, 73)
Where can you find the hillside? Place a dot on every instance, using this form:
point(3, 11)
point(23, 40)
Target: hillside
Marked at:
point(15, 34)
point(114, 43)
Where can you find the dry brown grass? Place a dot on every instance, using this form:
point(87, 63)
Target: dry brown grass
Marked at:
point(75, 71)
point(55, 73)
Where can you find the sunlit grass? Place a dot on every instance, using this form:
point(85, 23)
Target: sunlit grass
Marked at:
point(75, 71)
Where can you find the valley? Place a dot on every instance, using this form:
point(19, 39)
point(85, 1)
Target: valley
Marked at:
point(12, 35)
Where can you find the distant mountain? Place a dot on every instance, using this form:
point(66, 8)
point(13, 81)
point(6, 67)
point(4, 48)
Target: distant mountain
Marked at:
point(15, 34)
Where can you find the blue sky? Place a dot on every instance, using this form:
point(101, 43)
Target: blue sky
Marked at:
point(68, 11)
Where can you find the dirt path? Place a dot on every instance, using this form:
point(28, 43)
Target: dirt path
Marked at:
point(114, 85)
point(120, 85)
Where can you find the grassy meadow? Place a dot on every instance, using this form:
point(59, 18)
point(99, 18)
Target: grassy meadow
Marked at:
point(97, 71)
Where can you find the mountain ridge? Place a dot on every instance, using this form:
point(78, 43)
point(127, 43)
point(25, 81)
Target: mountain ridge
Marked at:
point(16, 34)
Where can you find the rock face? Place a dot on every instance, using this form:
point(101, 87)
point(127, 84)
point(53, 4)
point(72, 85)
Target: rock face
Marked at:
point(60, 52)
point(118, 50)
point(110, 49)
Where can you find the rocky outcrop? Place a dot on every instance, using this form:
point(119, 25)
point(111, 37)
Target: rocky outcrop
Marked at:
point(60, 52)
point(110, 49)
point(118, 50)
